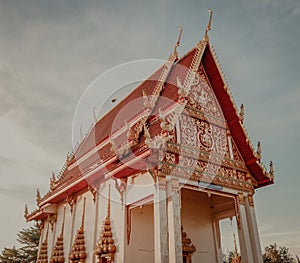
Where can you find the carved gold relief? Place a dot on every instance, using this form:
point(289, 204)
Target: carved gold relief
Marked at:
point(71, 200)
point(241, 198)
point(94, 190)
point(202, 97)
point(203, 135)
point(250, 200)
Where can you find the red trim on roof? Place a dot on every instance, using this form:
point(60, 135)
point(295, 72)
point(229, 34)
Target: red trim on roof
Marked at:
point(230, 114)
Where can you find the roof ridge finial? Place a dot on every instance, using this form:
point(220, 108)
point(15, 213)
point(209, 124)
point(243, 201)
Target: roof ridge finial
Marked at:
point(271, 169)
point(259, 152)
point(208, 28)
point(175, 53)
point(83, 212)
point(26, 212)
point(242, 113)
point(38, 196)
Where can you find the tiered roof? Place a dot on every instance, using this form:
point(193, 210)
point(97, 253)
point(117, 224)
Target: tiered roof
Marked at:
point(105, 148)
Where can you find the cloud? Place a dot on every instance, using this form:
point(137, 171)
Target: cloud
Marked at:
point(20, 192)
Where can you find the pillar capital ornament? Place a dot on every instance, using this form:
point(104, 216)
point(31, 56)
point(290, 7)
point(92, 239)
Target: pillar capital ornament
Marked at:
point(71, 200)
point(250, 200)
point(241, 198)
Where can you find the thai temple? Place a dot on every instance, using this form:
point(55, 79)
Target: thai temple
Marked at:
point(151, 182)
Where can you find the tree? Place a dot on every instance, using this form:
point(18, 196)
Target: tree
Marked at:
point(273, 254)
point(27, 253)
point(10, 255)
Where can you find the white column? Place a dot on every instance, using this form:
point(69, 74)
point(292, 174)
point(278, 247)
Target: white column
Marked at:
point(123, 231)
point(96, 233)
point(160, 224)
point(72, 236)
point(174, 221)
point(244, 237)
point(217, 238)
point(253, 230)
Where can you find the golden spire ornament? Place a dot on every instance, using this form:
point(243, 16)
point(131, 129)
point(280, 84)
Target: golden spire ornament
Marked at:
point(258, 152)
point(43, 255)
point(58, 252)
point(271, 169)
point(106, 247)
point(242, 113)
point(78, 252)
point(236, 258)
point(187, 245)
point(26, 212)
point(52, 181)
point(38, 196)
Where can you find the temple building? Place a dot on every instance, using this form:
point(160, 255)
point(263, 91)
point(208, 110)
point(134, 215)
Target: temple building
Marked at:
point(151, 181)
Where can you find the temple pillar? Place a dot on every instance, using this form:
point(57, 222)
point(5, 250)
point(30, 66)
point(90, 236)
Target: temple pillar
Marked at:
point(160, 223)
point(123, 231)
point(244, 237)
point(97, 198)
point(174, 221)
point(253, 229)
point(217, 238)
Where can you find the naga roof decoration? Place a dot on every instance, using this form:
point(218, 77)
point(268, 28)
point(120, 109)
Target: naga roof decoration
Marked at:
point(58, 251)
point(197, 74)
point(78, 251)
point(106, 246)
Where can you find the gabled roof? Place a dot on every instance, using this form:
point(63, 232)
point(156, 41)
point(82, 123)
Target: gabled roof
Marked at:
point(101, 148)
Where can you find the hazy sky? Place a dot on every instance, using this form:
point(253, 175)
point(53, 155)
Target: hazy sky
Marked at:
point(51, 50)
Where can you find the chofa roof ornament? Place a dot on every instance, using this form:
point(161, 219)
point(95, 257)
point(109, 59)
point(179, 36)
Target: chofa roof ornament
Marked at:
point(208, 28)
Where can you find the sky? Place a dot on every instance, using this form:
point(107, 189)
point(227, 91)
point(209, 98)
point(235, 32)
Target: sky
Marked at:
point(50, 51)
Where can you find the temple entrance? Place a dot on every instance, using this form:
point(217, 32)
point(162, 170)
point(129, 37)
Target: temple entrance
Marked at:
point(201, 211)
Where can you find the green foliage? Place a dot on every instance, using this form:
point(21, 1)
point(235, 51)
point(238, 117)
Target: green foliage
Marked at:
point(27, 253)
point(274, 254)
point(10, 255)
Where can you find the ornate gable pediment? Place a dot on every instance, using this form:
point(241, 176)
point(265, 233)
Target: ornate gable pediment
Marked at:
point(205, 149)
